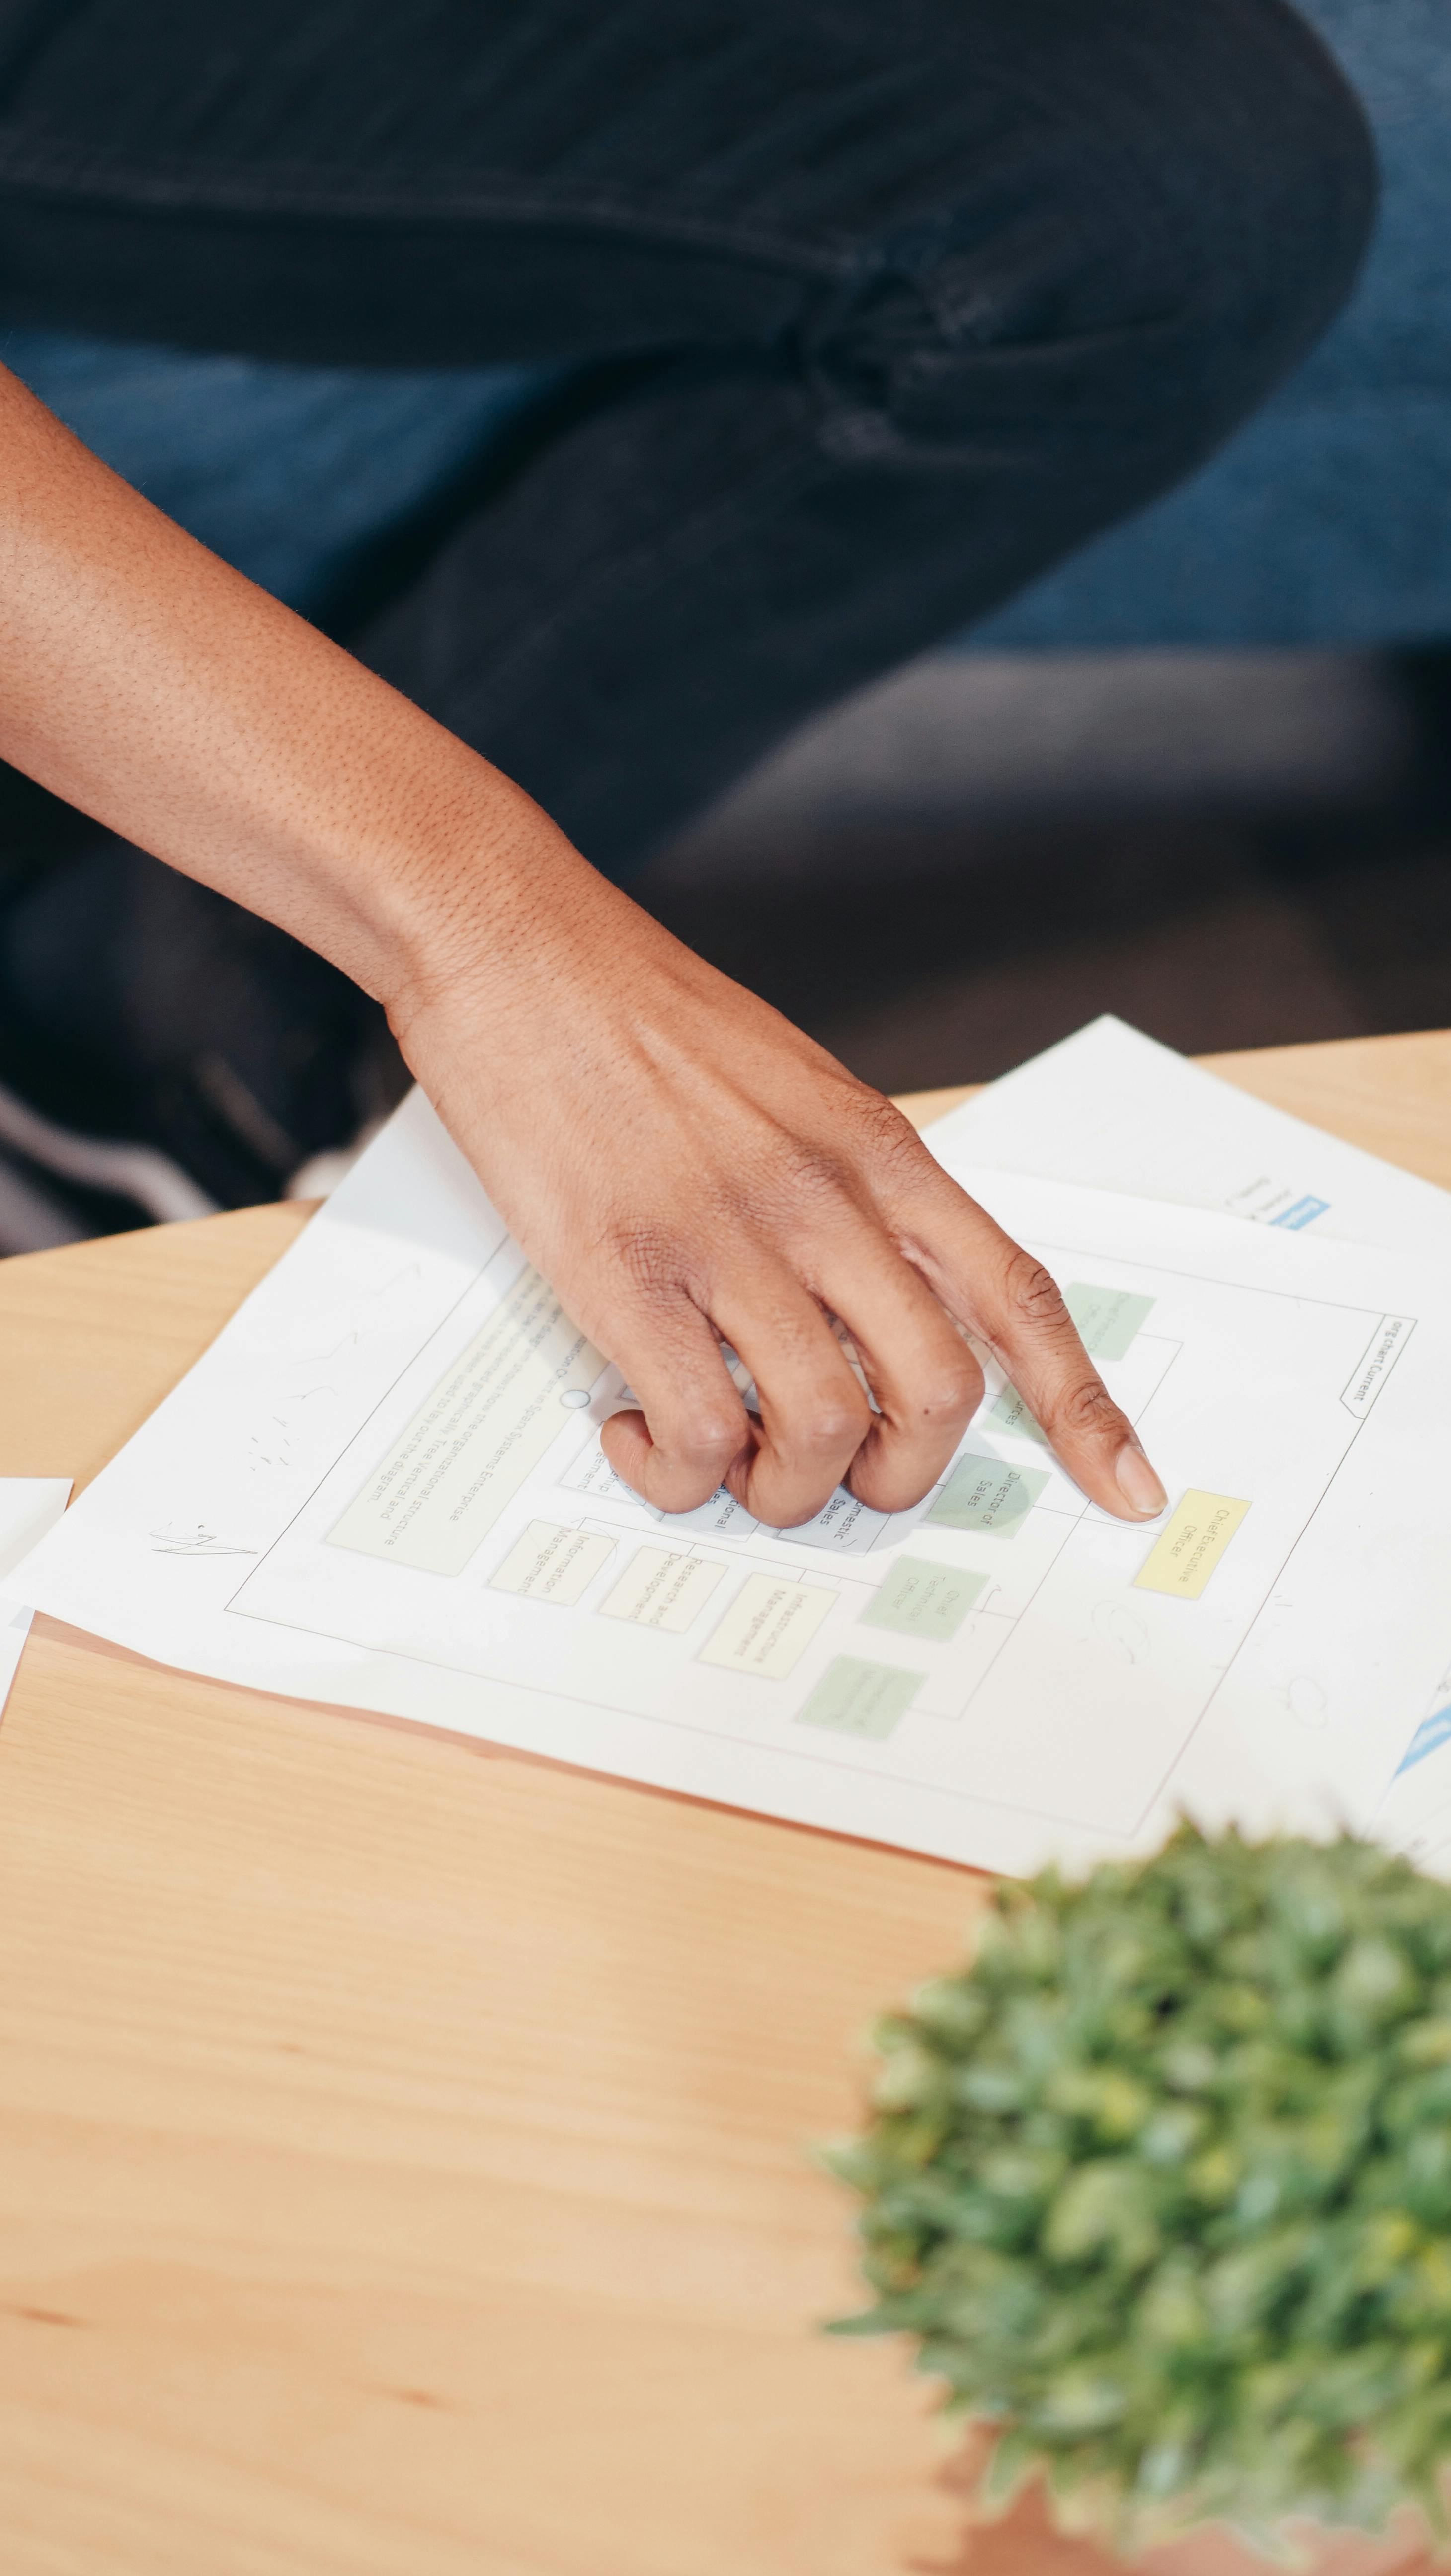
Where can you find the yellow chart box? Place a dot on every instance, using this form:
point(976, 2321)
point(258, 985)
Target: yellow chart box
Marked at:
point(1190, 1545)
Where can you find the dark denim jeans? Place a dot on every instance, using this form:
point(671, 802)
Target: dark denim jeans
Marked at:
point(871, 314)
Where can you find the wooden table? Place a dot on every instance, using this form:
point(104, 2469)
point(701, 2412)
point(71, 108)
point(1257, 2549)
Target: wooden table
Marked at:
point(404, 2145)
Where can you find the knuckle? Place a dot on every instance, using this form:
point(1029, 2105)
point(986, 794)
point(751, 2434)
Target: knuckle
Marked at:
point(650, 1258)
point(953, 1393)
point(1086, 1408)
point(811, 1177)
point(1033, 1293)
point(710, 1437)
point(825, 1429)
point(891, 1139)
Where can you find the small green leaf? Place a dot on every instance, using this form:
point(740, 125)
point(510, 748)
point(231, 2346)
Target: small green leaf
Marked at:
point(1159, 2185)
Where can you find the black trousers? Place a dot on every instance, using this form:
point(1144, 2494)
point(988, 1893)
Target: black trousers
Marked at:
point(880, 309)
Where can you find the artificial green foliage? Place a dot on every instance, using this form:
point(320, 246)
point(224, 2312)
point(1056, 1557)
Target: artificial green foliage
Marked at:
point(1161, 2183)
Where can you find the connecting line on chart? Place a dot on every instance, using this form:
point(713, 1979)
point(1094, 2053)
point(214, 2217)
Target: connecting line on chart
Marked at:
point(1176, 1352)
point(1010, 1618)
point(1252, 1623)
point(276, 1545)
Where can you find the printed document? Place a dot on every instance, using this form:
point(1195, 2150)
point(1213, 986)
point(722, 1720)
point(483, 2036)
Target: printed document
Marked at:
point(28, 1507)
point(384, 1487)
point(1111, 1107)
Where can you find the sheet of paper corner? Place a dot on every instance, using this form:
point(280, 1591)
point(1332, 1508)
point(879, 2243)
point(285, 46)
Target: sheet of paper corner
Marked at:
point(1112, 1108)
point(133, 1562)
point(29, 1506)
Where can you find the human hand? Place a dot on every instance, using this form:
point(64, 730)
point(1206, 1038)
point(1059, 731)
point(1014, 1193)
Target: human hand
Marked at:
point(681, 1164)
point(687, 1168)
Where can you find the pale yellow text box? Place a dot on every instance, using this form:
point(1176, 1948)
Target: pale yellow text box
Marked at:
point(768, 1626)
point(480, 1433)
point(663, 1589)
point(1191, 1544)
point(552, 1563)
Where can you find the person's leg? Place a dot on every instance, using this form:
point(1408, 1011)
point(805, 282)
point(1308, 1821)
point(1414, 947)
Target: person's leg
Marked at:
point(895, 308)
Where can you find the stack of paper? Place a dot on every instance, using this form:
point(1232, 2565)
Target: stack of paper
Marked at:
point(29, 1506)
point(383, 1487)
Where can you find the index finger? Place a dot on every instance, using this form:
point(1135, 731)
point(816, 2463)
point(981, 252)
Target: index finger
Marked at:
point(1012, 1302)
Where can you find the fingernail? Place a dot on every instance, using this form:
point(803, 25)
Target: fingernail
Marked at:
point(1137, 1482)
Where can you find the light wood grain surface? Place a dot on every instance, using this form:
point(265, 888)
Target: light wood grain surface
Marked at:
point(404, 2146)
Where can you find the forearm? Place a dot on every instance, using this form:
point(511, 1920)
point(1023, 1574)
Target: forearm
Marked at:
point(685, 1167)
point(158, 690)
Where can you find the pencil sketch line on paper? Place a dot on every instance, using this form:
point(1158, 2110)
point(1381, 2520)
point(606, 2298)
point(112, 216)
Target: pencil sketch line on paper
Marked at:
point(197, 1540)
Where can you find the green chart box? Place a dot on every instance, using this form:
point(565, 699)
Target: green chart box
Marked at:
point(985, 1494)
point(921, 1599)
point(1012, 1412)
point(858, 1698)
point(1107, 1318)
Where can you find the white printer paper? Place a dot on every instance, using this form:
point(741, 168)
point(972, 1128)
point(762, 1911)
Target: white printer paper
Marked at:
point(383, 1487)
point(1112, 1108)
point(28, 1507)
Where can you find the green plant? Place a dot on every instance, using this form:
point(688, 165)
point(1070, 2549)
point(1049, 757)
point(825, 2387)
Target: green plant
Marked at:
point(1161, 2182)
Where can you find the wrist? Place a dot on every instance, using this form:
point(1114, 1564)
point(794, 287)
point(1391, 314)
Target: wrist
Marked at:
point(462, 902)
point(480, 938)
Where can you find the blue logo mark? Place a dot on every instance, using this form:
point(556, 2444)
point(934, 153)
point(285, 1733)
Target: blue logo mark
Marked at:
point(1431, 1732)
